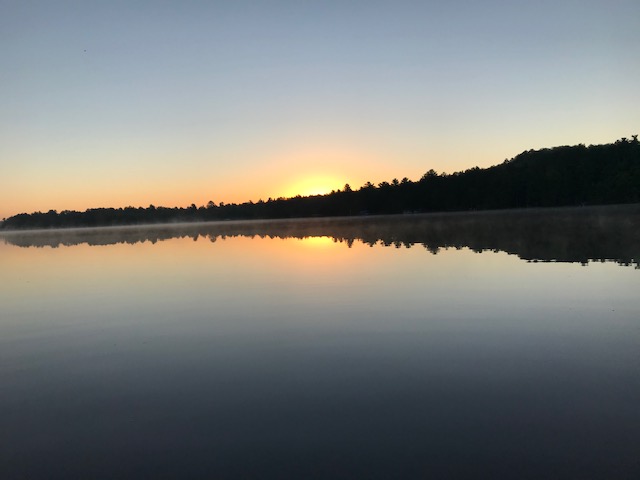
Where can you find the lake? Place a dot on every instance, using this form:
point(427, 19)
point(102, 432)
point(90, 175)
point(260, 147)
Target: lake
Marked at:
point(480, 345)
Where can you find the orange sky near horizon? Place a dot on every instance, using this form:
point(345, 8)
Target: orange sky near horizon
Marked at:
point(296, 172)
point(280, 174)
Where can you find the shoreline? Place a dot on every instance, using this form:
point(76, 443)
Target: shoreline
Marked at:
point(626, 208)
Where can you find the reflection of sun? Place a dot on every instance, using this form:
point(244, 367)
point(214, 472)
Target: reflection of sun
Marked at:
point(318, 242)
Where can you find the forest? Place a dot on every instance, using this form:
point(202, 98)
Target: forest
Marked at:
point(551, 177)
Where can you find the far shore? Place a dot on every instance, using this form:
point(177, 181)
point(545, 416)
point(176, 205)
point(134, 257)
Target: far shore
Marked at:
point(631, 208)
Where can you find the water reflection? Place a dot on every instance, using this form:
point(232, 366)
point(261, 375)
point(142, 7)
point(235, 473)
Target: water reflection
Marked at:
point(296, 357)
point(561, 235)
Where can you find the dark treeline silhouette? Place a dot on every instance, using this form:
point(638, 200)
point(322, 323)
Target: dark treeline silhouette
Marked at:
point(561, 176)
point(572, 234)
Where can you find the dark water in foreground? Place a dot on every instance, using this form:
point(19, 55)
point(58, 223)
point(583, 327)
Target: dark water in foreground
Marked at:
point(467, 347)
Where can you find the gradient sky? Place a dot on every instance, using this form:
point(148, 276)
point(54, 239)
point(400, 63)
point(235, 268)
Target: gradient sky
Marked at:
point(120, 103)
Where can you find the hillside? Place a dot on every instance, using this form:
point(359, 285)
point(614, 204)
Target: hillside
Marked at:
point(551, 177)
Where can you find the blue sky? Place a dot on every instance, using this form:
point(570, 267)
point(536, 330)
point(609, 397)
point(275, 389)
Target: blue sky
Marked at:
point(131, 103)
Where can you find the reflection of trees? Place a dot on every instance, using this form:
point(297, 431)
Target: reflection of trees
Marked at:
point(567, 235)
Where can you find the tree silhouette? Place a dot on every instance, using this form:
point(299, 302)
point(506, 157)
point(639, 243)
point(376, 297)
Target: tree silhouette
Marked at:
point(560, 176)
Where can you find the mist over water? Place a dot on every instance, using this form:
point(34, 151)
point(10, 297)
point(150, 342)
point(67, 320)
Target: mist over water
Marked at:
point(609, 233)
point(310, 349)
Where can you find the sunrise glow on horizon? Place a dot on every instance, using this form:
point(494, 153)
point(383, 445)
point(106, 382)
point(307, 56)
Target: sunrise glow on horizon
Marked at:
point(110, 104)
point(313, 185)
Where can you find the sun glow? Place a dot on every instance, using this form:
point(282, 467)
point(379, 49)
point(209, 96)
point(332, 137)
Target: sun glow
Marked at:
point(318, 242)
point(313, 185)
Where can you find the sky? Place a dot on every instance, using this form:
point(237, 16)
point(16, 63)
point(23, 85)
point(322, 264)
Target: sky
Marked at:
point(116, 103)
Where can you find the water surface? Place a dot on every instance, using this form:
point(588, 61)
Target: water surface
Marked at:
point(468, 346)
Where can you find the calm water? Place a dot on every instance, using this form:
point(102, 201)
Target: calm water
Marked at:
point(468, 346)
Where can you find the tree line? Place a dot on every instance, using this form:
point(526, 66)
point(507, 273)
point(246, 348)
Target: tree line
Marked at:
point(550, 177)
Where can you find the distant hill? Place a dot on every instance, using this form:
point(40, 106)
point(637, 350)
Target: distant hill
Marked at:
point(551, 177)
